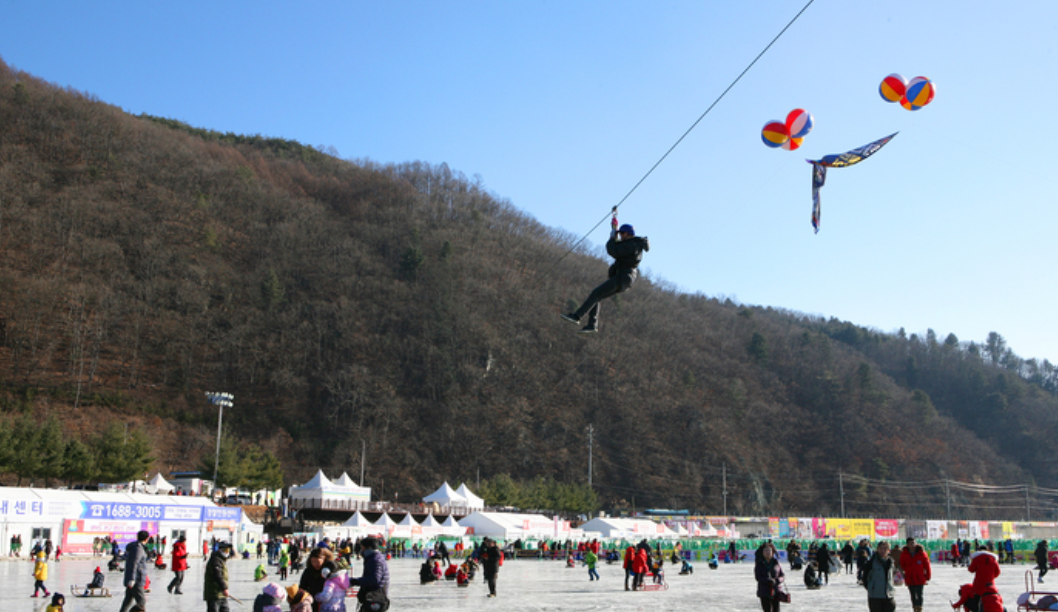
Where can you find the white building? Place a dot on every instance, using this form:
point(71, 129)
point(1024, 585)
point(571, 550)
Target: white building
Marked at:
point(74, 519)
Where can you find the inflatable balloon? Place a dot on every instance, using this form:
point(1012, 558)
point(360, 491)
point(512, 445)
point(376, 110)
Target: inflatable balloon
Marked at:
point(920, 92)
point(799, 123)
point(893, 88)
point(774, 134)
point(793, 144)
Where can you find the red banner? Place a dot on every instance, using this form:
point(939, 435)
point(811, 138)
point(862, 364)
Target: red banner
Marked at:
point(886, 528)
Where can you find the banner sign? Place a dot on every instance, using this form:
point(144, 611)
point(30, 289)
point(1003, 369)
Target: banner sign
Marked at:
point(78, 535)
point(40, 509)
point(886, 528)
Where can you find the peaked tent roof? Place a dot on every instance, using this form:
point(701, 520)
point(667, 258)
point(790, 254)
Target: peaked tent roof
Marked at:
point(449, 522)
point(386, 521)
point(318, 481)
point(358, 520)
point(344, 481)
point(446, 496)
point(409, 520)
point(430, 521)
point(160, 484)
point(473, 501)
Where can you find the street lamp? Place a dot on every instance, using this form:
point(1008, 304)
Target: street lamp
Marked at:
point(220, 400)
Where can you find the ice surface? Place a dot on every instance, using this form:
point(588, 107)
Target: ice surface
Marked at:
point(524, 585)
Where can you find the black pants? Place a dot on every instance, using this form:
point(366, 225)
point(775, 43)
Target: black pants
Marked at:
point(824, 572)
point(881, 605)
point(1042, 567)
point(769, 604)
point(178, 580)
point(916, 594)
point(490, 579)
point(135, 595)
point(614, 285)
point(217, 605)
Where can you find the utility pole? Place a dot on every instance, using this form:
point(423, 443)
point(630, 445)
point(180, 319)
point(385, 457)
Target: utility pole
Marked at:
point(724, 472)
point(591, 433)
point(947, 497)
point(841, 487)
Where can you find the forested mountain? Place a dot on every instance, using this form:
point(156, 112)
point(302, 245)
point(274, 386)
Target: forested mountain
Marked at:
point(407, 309)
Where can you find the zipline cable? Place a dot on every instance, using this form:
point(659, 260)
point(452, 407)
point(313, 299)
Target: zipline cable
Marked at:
point(681, 138)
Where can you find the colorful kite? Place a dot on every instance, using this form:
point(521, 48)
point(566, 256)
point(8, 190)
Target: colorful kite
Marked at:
point(819, 169)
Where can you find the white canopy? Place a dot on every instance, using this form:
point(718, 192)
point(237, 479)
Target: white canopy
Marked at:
point(473, 501)
point(344, 490)
point(345, 481)
point(509, 526)
point(358, 520)
point(408, 521)
point(160, 485)
point(430, 521)
point(446, 496)
point(628, 528)
point(449, 522)
point(386, 521)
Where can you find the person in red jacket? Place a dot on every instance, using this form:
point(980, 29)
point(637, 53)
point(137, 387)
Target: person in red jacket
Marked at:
point(985, 568)
point(917, 571)
point(640, 565)
point(179, 565)
point(629, 559)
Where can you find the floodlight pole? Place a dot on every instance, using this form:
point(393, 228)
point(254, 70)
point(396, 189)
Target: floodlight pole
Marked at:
point(220, 400)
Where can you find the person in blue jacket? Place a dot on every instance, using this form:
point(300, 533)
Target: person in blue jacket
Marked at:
point(374, 583)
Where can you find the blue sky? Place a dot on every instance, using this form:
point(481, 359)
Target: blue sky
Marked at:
point(561, 107)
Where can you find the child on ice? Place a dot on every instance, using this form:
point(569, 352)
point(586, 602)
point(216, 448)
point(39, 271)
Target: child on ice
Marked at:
point(590, 559)
point(40, 574)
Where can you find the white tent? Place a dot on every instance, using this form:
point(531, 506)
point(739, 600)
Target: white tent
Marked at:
point(160, 485)
point(611, 527)
point(319, 492)
point(345, 481)
point(409, 521)
point(386, 521)
point(430, 521)
point(473, 501)
point(445, 496)
point(508, 526)
point(358, 520)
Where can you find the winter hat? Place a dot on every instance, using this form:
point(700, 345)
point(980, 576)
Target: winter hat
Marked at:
point(627, 229)
point(97, 570)
point(292, 591)
point(58, 599)
point(275, 590)
point(40, 555)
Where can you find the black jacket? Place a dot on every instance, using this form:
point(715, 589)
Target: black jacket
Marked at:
point(626, 253)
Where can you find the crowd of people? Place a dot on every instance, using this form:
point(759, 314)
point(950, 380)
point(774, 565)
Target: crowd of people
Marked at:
point(325, 579)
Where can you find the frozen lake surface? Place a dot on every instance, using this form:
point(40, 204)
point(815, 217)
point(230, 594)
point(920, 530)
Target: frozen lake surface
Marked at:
point(524, 585)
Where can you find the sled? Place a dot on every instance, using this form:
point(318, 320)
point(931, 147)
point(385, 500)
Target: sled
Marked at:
point(1030, 600)
point(87, 591)
point(350, 592)
point(664, 586)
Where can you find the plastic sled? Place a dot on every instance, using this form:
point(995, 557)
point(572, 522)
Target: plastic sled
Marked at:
point(86, 591)
point(664, 586)
point(1030, 600)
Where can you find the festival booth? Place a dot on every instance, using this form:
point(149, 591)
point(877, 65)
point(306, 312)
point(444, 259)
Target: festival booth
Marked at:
point(159, 485)
point(75, 519)
point(451, 526)
point(444, 499)
point(509, 527)
point(320, 493)
point(473, 501)
point(629, 529)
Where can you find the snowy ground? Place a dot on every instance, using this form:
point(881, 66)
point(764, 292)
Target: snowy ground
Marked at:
point(525, 585)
